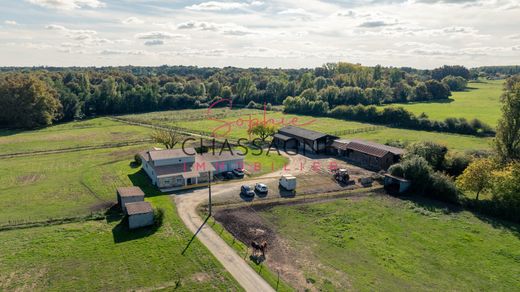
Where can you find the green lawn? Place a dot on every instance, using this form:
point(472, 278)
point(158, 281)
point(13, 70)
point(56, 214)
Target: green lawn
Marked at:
point(383, 243)
point(104, 256)
point(62, 185)
point(94, 132)
point(481, 100)
point(229, 128)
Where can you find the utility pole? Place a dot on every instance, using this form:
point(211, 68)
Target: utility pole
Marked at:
point(209, 188)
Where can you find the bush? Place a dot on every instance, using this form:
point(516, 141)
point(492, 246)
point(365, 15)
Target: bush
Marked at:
point(158, 216)
point(418, 171)
point(455, 83)
point(456, 163)
point(137, 160)
point(443, 188)
point(432, 152)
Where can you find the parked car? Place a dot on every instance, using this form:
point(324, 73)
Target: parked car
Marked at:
point(261, 188)
point(228, 175)
point(239, 172)
point(247, 191)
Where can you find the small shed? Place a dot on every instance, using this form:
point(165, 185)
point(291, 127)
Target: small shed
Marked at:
point(140, 214)
point(129, 195)
point(396, 185)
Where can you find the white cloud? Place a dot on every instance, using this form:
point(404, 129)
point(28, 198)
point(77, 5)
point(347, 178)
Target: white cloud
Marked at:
point(222, 6)
point(222, 28)
point(10, 22)
point(68, 4)
point(159, 35)
point(75, 34)
point(154, 43)
point(132, 20)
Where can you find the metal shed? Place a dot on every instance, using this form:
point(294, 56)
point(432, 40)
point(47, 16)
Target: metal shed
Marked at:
point(140, 214)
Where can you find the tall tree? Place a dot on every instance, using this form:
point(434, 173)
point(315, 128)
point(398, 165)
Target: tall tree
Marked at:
point(27, 102)
point(507, 141)
point(477, 177)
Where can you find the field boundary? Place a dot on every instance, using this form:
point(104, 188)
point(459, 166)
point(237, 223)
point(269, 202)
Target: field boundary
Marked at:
point(75, 149)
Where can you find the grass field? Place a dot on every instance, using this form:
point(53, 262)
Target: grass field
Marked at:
point(229, 127)
point(104, 256)
point(481, 100)
point(94, 132)
point(382, 243)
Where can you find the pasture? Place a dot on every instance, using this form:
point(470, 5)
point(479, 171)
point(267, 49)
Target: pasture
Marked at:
point(480, 100)
point(379, 243)
point(104, 256)
point(233, 124)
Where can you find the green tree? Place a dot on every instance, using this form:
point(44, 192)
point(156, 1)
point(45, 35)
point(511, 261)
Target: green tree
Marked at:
point(168, 138)
point(507, 141)
point(27, 102)
point(455, 83)
point(245, 89)
point(262, 131)
point(432, 152)
point(477, 177)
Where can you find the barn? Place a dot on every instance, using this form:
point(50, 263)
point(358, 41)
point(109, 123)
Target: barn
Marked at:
point(129, 195)
point(367, 154)
point(296, 138)
point(140, 214)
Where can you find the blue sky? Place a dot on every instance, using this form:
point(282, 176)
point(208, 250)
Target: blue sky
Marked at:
point(259, 33)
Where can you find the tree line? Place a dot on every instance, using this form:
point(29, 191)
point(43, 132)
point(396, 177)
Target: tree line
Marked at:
point(40, 96)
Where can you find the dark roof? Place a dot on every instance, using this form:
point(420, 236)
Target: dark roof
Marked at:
point(302, 133)
point(200, 165)
point(224, 156)
point(138, 208)
point(170, 153)
point(130, 192)
point(370, 148)
point(282, 137)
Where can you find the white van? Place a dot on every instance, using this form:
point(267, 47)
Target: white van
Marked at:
point(288, 182)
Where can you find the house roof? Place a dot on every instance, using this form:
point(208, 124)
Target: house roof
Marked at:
point(224, 156)
point(170, 153)
point(302, 133)
point(189, 169)
point(370, 148)
point(130, 192)
point(138, 208)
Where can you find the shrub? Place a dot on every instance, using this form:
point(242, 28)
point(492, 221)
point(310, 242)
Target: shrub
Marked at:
point(456, 163)
point(455, 83)
point(158, 216)
point(443, 188)
point(137, 160)
point(418, 171)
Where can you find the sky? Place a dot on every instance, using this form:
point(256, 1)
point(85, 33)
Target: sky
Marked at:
point(259, 33)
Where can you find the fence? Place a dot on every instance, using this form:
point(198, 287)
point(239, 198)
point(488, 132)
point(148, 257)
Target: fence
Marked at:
point(356, 131)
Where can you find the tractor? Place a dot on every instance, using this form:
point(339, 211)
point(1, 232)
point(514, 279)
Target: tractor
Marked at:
point(341, 175)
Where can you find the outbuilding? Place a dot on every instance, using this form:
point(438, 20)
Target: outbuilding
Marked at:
point(396, 185)
point(291, 137)
point(127, 195)
point(367, 154)
point(140, 214)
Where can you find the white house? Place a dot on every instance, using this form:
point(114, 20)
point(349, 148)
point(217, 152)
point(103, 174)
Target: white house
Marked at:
point(177, 168)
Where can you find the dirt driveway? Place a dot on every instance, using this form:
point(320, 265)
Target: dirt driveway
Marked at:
point(187, 204)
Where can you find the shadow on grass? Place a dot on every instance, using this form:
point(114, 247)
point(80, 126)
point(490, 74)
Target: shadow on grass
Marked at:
point(140, 179)
point(6, 132)
point(122, 233)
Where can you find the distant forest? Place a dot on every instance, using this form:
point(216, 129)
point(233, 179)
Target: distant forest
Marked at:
point(40, 96)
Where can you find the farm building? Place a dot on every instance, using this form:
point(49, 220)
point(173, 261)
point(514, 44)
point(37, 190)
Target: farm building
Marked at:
point(140, 214)
point(292, 137)
point(396, 185)
point(129, 195)
point(176, 168)
point(368, 154)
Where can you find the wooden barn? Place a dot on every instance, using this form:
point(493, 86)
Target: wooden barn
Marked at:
point(367, 154)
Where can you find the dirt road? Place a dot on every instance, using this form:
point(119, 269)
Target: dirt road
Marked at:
point(187, 209)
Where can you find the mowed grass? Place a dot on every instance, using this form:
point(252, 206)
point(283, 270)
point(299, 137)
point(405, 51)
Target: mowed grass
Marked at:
point(34, 188)
point(105, 256)
point(235, 123)
point(94, 132)
point(481, 100)
point(382, 243)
